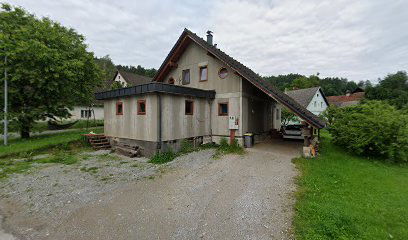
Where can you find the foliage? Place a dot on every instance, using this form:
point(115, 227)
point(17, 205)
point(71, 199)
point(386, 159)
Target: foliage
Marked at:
point(138, 70)
point(372, 129)
point(343, 196)
point(163, 157)
point(328, 114)
point(50, 69)
point(108, 68)
point(41, 143)
point(305, 82)
point(225, 148)
point(287, 116)
point(67, 154)
point(393, 89)
point(332, 86)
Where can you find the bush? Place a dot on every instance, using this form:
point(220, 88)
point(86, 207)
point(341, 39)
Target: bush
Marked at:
point(163, 157)
point(225, 148)
point(374, 128)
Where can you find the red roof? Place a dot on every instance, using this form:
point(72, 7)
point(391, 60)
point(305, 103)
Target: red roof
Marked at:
point(352, 97)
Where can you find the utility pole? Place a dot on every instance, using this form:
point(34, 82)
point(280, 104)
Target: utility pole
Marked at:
point(5, 100)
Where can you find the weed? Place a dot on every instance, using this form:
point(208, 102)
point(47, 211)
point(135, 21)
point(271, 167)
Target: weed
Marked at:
point(225, 148)
point(163, 157)
point(90, 169)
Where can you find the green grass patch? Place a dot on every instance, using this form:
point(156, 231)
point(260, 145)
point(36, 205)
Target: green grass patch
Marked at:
point(90, 169)
point(225, 148)
point(163, 157)
point(342, 196)
point(40, 143)
point(43, 126)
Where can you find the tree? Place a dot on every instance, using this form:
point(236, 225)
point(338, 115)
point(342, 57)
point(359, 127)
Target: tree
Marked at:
point(138, 70)
point(49, 68)
point(305, 82)
point(393, 89)
point(287, 116)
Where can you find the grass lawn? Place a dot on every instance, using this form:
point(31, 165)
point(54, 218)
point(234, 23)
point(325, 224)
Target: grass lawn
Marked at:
point(38, 143)
point(341, 196)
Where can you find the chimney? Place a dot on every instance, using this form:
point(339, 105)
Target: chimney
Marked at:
point(209, 37)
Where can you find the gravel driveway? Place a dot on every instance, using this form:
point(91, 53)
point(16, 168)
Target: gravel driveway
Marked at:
point(194, 197)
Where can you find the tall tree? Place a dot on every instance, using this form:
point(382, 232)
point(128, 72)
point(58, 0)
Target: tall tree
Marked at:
point(50, 69)
point(393, 89)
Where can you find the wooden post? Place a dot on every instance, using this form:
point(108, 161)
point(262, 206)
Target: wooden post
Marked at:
point(232, 136)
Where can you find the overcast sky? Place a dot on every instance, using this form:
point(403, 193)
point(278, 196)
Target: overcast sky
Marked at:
point(356, 39)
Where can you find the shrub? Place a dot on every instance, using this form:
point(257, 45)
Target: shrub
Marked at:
point(225, 148)
point(374, 128)
point(163, 157)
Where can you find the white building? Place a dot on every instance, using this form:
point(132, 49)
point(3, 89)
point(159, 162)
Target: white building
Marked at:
point(313, 99)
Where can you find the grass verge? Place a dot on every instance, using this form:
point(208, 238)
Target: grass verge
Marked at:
point(342, 196)
point(37, 144)
point(188, 147)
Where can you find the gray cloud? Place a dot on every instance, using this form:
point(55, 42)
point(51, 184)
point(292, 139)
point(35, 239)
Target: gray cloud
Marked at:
point(355, 39)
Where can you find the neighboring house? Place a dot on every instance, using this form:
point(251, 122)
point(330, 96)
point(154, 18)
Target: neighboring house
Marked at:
point(126, 79)
point(349, 99)
point(201, 94)
point(312, 99)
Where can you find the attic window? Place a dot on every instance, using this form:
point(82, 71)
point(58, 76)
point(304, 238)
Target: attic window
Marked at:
point(203, 73)
point(189, 107)
point(119, 108)
point(186, 76)
point(141, 107)
point(171, 80)
point(223, 73)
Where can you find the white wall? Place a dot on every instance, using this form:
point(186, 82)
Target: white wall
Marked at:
point(317, 105)
point(119, 78)
point(76, 113)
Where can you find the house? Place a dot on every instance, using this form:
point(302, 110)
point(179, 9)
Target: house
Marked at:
point(96, 111)
point(128, 79)
point(201, 94)
point(349, 99)
point(313, 99)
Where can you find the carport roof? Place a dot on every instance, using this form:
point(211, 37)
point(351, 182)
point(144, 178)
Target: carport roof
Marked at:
point(187, 37)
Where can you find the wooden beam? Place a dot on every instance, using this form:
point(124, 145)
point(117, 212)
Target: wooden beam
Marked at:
point(173, 64)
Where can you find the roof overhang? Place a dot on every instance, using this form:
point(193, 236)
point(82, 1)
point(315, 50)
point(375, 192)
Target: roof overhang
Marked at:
point(155, 87)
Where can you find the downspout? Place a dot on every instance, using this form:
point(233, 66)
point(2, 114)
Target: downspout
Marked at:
point(209, 104)
point(159, 123)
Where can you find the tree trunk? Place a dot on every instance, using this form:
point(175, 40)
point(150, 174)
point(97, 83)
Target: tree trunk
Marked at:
point(25, 133)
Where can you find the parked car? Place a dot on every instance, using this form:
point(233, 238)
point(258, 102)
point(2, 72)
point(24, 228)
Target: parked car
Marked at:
point(292, 131)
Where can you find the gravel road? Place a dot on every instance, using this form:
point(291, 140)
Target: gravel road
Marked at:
point(194, 197)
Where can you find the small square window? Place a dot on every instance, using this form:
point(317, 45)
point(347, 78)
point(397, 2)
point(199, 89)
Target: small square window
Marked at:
point(171, 80)
point(203, 73)
point(189, 107)
point(119, 108)
point(186, 76)
point(141, 107)
point(223, 109)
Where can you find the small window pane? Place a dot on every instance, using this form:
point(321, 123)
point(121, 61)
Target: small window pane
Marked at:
point(203, 73)
point(119, 108)
point(186, 76)
point(223, 109)
point(189, 107)
point(171, 81)
point(223, 73)
point(141, 107)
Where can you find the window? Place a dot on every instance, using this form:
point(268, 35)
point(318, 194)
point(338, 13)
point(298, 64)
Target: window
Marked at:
point(119, 108)
point(315, 104)
point(119, 77)
point(189, 108)
point(141, 107)
point(203, 73)
point(86, 113)
point(171, 80)
point(321, 104)
point(186, 76)
point(223, 109)
point(223, 73)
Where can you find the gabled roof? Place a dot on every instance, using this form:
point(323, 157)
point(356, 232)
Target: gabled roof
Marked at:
point(305, 96)
point(132, 79)
point(343, 99)
point(187, 37)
